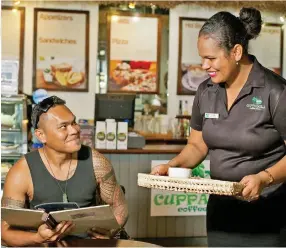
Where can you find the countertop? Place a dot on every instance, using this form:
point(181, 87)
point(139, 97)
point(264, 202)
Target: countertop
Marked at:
point(148, 149)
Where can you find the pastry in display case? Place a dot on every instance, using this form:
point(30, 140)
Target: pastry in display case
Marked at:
point(13, 130)
point(6, 164)
point(5, 167)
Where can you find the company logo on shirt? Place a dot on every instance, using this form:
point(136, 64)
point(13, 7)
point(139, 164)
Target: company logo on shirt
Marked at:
point(256, 100)
point(256, 104)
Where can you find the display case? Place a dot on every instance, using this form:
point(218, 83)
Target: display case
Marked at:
point(13, 130)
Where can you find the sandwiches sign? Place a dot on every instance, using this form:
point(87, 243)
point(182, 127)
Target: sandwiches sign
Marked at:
point(60, 54)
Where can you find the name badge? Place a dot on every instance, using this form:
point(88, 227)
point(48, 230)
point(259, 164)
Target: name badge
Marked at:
point(211, 115)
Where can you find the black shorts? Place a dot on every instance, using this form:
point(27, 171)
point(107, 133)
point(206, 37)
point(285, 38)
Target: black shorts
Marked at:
point(232, 222)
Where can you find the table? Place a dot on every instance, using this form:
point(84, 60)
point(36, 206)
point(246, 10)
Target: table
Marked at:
point(78, 242)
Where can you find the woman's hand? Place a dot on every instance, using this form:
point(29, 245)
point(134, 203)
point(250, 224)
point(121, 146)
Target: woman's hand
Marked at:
point(45, 234)
point(254, 184)
point(160, 170)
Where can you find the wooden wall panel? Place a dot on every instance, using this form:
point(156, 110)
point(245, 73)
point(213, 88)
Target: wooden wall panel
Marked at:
point(144, 198)
point(140, 224)
point(134, 203)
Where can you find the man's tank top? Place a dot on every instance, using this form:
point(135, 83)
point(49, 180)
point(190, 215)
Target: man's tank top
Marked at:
point(81, 187)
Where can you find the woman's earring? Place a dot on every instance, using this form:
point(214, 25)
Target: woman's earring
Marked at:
point(236, 62)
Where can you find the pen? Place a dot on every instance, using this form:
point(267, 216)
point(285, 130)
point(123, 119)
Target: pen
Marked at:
point(49, 220)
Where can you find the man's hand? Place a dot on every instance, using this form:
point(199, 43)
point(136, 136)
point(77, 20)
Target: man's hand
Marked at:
point(254, 184)
point(45, 234)
point(160, 170)
point(99, 233)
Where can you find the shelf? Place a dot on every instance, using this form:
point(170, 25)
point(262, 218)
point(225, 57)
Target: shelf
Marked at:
point(183, 117)
point(10, 99)
point(11, 155)
point(165, 139)
point(148, 149)
point(14, 130)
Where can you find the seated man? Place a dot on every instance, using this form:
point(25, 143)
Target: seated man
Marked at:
point(63, 170)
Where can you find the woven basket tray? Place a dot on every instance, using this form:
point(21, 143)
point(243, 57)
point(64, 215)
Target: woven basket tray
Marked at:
point(194, 185)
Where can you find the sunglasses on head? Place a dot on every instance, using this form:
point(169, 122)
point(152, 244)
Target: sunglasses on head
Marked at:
point(46, 104)
point(49, 102)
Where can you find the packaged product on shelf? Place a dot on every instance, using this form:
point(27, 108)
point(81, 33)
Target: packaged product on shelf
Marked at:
point(111, 134)
point(87, 134)
point(122, 135)
point(100, 134)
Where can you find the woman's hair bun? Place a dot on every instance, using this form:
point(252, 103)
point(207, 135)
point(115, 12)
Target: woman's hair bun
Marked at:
point(251, 19)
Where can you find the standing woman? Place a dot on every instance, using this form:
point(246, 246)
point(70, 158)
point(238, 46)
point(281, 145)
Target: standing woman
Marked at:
point(239, 118)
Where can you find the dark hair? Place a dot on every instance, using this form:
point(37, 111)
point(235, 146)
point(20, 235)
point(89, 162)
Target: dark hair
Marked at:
point(229, 30)
point(43, 107)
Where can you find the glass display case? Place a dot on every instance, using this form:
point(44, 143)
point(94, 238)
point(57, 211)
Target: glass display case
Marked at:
point(13, 131)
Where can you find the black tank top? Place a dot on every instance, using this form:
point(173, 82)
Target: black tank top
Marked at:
point(81, 187)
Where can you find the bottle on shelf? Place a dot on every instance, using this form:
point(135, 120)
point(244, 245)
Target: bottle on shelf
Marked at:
point(186, 128)
point(180, 108)
point(182, 128)
point(186, 108)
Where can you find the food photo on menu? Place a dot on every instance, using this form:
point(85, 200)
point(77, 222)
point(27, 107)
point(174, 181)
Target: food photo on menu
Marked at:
point(192, 76)
point(138, 76)
point(55, 73)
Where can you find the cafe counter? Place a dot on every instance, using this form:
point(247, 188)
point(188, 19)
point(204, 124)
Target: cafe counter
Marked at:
point(127, 164)
point(148, 149)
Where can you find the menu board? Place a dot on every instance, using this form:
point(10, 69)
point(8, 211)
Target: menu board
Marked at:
point(190, 72)
point(13, 27)
point(134, 53)
point(61, 47)
point(268, 47)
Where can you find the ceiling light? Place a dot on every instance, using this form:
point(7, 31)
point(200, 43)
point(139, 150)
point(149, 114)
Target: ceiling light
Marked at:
point(114, 18)
point(131, 5)
point(282, 19)
point(17, 2)
point(14, 10)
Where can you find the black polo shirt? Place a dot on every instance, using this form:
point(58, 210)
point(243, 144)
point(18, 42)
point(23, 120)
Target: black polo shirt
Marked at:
point(250, 136)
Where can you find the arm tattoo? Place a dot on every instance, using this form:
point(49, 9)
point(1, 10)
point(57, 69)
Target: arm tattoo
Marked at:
point(110, 191)
point(12, 203)
point(120, 206)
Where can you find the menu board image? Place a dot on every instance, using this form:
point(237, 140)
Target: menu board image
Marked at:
point(139, 76)
point(270, 39)
point(192, 76)
point(190, 72)
point(60, 53)
point(133, 64)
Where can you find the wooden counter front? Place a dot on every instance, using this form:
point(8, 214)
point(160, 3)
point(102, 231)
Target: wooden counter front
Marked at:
point(148, 149)
point(127, 164)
